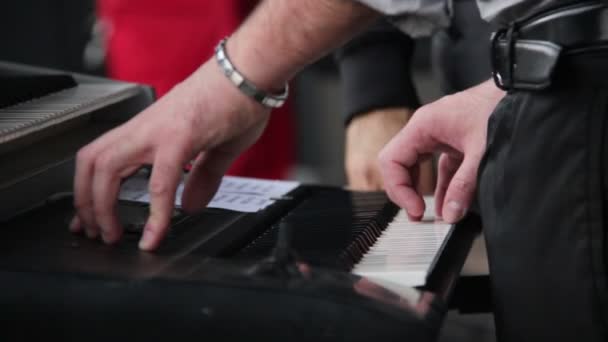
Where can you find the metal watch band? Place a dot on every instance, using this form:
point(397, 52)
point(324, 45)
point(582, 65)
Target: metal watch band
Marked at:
point(248, 88)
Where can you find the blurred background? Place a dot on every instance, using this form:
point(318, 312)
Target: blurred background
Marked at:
point(68, 35)
point(71, 35)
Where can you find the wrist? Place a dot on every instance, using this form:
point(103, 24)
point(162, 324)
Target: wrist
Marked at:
point(491, 91)
point(369, 132)
point(486, 94)
point(266, 73)
point(385, 118)
point(209, 79)
point(244, 84)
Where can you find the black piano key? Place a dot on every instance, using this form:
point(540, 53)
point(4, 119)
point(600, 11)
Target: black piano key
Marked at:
point(331, 229)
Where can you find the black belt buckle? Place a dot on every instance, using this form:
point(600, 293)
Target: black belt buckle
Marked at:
point(504, 80)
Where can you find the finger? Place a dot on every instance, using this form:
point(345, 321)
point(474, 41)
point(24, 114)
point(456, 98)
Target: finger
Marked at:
point(110, 167)
point(83, 178)
point(399, 163)
point(83, 200)
point(461, 189)
point(401, 190)
point(75, 225)
point(446, 167)
point(166, 175)
point(204, 180)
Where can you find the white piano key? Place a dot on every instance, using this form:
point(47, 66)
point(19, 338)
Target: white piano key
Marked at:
point(406, 250)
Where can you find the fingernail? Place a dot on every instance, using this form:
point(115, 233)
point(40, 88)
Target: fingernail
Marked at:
point(75, 224)
point(146, 240)
point(107, 236)
point(453, 212)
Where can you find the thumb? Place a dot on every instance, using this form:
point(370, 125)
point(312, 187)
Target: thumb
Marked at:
point(461, 190)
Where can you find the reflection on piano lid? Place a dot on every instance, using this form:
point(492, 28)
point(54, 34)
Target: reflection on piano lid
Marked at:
point(368, 237)
point(206, 262)
point(45, 117)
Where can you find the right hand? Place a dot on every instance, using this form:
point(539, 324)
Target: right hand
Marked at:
point(454, 125)
point(366, 135)
point(204, 116)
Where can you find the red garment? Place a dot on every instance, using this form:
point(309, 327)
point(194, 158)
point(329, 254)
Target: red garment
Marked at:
point(161, 42)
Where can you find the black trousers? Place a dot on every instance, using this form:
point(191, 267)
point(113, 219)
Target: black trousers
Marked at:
point(543, 195)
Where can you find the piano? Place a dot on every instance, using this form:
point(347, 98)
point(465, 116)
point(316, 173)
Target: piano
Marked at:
point(320, 264)
point(45, 117)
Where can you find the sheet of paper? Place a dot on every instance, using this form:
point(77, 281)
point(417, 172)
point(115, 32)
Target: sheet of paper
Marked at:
point(134, 189)
point(258, 187)
point(235, 193)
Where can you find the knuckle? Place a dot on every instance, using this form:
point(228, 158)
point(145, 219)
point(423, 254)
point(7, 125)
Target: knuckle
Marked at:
point(158, 188)
point(356, 167)
point(369, 172)
point(162, 170)
point(449, 163)
point(421, 112)
point(81, 205)
point(84, 155)
point(384, 158)
point(193, 121)
point(461, 184)
point(101, 211)
point(103, 162)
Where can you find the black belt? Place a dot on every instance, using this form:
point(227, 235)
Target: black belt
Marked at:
point(525, 54)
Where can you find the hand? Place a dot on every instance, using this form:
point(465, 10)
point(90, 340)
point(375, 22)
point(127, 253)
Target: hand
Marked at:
point(366, 135)
point(204, 116)
point(454, 125)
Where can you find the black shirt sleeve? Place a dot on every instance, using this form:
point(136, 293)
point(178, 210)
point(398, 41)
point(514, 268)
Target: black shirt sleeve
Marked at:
point(375, 71)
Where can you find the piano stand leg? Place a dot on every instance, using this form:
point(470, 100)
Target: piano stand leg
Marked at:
point(472, 295)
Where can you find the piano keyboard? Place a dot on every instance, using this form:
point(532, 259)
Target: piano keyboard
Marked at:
point(370, 237)
point(46, 116)
point(38, 114)
point(405, 253)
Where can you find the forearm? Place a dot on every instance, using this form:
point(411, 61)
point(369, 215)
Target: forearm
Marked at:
point(283, 36)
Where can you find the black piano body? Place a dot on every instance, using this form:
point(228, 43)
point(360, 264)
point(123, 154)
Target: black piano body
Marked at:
point(214, 276)
point(45, 117)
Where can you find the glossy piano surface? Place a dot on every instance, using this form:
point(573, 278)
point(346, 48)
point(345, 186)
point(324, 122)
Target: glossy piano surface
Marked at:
point(45, 117)
point(211, 263)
